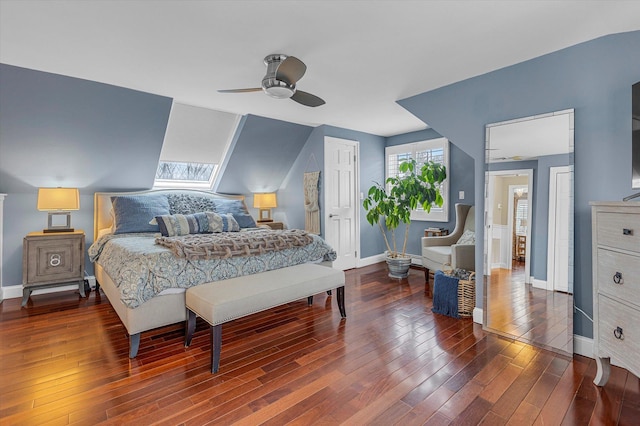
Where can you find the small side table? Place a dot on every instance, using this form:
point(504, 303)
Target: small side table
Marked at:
point(52, 260)
point(433, 232)
point(273, 225)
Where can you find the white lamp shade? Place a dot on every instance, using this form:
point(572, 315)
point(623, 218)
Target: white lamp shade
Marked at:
point(51, 199)
point(265, 200)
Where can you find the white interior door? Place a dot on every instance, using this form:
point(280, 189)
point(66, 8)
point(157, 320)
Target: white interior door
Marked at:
point(558, 275)
point(341, 200)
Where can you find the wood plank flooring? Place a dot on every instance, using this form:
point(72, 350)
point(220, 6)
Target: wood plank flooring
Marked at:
point(530, 314)
point(63, 360)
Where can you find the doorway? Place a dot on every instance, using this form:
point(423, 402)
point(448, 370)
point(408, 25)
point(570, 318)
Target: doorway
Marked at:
point(508, 222)
point(341, 200)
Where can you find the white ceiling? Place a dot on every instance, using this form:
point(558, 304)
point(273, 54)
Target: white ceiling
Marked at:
point(362, 56)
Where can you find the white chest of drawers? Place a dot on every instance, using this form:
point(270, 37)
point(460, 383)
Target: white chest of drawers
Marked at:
point(616, 286)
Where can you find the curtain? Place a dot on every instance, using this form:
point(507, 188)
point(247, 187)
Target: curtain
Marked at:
point(311, 207)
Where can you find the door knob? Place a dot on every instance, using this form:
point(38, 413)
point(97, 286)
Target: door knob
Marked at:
point(334, 215)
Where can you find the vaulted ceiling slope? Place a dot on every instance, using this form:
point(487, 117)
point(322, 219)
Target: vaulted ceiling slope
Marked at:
point(361, 56)
point(62, 131)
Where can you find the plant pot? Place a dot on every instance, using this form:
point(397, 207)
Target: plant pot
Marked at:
point(398, 266)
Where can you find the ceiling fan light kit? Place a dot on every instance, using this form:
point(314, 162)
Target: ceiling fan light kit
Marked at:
point(283, 72)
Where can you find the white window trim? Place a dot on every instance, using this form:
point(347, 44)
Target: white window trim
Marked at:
point(436, 214)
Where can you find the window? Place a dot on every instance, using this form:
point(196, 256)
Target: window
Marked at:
point(173, 174)
point(432, 150)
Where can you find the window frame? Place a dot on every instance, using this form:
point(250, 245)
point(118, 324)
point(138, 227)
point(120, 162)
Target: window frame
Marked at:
point(437, 214)
point(186, 184)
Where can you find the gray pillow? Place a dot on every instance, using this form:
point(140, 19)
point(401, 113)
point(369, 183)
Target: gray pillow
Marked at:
point(132, 213)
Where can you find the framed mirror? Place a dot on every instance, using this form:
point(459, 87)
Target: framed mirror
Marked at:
point(528, 247)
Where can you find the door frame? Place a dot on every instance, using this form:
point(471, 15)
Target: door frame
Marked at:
point(490, 178)
point(511, 219)
point(354, 196)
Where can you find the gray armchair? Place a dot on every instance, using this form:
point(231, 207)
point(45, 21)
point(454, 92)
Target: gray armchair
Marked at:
point(436, 251)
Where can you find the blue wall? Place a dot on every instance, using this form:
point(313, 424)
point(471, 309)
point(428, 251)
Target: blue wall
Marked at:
point(63, 131)
point(595, 79)
point(311, 158)
point(461, 178)
point(264, 151)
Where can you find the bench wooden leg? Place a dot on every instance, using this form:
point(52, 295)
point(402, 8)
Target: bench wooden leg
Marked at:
point(134, 345)
point(216, 344)
point(191, 327)
point(340, 291)
point(310, 300)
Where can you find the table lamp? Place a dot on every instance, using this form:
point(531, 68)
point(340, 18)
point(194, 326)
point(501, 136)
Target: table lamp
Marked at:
point(58, 201)
point(265, 202)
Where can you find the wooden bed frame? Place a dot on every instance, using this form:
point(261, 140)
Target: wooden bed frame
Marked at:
point(160, 311)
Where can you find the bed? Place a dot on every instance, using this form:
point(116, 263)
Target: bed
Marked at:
point(145, 276)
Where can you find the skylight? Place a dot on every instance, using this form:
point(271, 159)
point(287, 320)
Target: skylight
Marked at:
point(184, 174)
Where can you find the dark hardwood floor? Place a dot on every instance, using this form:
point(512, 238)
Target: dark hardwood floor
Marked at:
point(528, 313)
point(64, 361)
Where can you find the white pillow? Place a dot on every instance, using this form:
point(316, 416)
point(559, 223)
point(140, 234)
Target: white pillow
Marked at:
point(468, 237)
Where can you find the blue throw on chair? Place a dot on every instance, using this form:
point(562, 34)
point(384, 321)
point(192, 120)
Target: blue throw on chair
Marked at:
point(445, 295)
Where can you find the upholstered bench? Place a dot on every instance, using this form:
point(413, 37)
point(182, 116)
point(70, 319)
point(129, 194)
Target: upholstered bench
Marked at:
point(223, 301)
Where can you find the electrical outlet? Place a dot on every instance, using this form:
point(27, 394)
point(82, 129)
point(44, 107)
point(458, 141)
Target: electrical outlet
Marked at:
point(461, 195)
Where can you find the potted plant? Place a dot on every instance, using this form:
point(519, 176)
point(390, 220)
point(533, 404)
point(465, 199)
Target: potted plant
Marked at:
point(392, 203)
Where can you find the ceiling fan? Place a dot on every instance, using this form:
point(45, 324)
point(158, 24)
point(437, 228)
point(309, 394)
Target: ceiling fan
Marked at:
point(283, 72)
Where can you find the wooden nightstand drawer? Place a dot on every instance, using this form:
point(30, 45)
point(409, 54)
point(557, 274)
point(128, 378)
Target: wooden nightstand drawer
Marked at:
point(272, 225)
point(53, 259)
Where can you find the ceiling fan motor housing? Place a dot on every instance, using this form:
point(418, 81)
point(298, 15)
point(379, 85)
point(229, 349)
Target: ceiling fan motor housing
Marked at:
point(273, 87)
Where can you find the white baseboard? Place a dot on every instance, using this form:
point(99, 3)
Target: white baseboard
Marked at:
point(541, 284)
point(416, 259)
point(366, 261)
point(583, 346)
point(15, 291)
point(478, 315)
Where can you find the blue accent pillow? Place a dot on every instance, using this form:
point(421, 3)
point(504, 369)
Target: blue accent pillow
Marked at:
point(239, 211)
point(132, 213)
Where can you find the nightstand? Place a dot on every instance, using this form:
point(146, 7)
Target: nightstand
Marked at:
point(52, 260)
point(273, 225)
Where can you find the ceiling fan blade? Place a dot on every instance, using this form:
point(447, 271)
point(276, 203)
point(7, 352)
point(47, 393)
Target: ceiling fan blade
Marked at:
point(291, 70)
point(307, 99)
point(253, 89)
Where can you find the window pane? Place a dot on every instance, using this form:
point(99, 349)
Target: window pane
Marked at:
point(194, 172)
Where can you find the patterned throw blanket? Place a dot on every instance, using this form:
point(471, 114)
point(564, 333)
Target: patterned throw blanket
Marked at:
point(234, 244)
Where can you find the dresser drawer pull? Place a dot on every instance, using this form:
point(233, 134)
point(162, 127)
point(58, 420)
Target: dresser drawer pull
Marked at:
point(618, 333)
point(617, 278)
point(626, 231)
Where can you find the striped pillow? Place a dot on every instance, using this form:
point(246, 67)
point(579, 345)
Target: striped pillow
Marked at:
point(196, 223)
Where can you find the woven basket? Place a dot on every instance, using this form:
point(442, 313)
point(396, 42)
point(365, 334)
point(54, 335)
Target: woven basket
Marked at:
point(466, 293)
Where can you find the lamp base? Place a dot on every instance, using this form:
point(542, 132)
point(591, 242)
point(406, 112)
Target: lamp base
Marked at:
point(54, 230)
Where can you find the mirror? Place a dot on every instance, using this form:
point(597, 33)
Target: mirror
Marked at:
point(528, 250)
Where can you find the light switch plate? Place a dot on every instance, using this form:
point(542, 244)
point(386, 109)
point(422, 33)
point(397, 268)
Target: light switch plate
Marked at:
point(461, 195)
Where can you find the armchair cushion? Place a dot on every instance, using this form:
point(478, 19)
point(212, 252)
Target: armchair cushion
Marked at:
point(436, 256)
point(436, 251)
